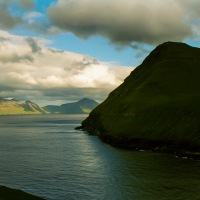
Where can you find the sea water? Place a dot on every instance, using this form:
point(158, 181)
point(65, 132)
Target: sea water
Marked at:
point(45, 156)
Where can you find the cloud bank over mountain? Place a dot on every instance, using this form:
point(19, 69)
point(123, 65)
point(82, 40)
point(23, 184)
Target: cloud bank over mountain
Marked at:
point(31, 69)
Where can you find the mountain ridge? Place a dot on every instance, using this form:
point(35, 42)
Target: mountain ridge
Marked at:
point(83, 106)
point(13, 106)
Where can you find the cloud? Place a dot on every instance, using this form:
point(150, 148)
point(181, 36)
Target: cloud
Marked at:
point(32, 17)
point(10, 15)
point(27, 4)
point(192, 15)
point(125, 21)
point(192, 7)
point(7, 20)
point(33, 44)
point(30, 69)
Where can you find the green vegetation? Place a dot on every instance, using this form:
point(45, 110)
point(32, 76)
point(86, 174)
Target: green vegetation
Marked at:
point(159, 103)
point(10, 107)
point(85, 110)
point(12, 194)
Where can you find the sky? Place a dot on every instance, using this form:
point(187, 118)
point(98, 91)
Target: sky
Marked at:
point(59, 51)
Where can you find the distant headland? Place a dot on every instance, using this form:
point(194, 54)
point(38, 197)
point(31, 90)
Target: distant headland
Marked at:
point(11, 106)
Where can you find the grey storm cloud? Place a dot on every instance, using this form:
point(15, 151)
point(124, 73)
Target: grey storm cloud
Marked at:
point(15, 58)
point(193, 6)
point(27, 4)
point(2, 39)
point(33, 44)
point(6, 19)
point(124, 21)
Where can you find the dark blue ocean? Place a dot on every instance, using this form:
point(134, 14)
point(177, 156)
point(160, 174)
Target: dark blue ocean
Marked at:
point(45, 156)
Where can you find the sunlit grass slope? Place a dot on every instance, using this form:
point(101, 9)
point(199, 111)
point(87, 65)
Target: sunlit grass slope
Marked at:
point(18, 107)
point(158, 102)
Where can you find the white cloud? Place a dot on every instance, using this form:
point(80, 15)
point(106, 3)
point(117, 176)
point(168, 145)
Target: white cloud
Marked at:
point(27, 64)
point(97, 76)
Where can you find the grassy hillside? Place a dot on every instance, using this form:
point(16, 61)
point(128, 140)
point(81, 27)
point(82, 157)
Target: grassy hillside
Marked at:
point(158, 103)
point(18, 107)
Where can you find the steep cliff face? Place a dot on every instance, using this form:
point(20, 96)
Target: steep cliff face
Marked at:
point(159, 103)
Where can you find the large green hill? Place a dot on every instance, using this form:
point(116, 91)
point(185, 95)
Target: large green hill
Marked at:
point(157, 105)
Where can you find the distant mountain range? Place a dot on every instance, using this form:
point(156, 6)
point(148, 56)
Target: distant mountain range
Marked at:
point(84, 106)
point(13, 106)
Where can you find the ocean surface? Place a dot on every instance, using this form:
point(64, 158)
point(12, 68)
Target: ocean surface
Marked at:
point(45, 156)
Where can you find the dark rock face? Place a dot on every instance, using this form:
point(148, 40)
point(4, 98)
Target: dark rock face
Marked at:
point(12, 194)
point(158, 105)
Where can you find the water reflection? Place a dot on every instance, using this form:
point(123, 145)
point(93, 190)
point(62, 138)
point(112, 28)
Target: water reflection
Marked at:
point(55, 161)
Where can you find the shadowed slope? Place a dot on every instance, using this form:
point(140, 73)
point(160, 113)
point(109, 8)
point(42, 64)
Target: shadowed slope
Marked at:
point(12, 194)
point(159, 103)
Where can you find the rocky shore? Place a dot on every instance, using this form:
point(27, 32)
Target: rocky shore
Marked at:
point(181, 150)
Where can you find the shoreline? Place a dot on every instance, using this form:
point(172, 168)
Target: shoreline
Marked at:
point(7, 193)
point(182, 150)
